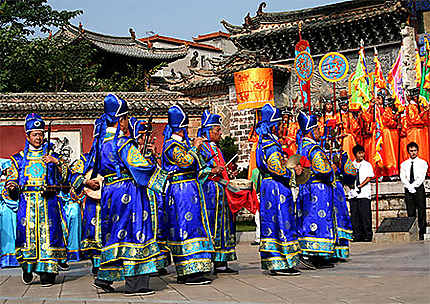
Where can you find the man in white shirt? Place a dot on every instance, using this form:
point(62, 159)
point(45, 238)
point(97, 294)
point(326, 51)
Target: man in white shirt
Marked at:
point(412, 174)
point(361, 214)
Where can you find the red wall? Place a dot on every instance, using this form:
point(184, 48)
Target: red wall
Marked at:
point(12, 138)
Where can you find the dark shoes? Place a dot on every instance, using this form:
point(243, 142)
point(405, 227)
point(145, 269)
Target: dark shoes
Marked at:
point(285, 272)
point(27, 278)
point(63, 266)
point(307, 263)
point(321, 264)
point(226, 270)
point(194, 279)
point(106, 287)
point(140, 292)
point(255, 243)
point(161, 272)
point(47, 279)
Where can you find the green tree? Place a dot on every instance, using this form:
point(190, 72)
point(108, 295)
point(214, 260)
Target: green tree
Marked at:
point(27, 16)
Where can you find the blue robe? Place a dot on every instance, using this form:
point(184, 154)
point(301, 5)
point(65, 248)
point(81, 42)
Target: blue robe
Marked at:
point(160, 219)
point(315, 203)
point(344, 175)
point(72, 226)
point(90, 239)
point(221, 222)
point(279, 246)
point(189, 237)
point(129, 243)
point(8, 210)
point(40, 242)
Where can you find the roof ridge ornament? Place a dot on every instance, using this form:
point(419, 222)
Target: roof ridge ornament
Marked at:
point(132, 33)
point(81, 28)
point(260, 8)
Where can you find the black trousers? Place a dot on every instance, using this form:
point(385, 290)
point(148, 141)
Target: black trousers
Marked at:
point(361, 219)
point(416, 201)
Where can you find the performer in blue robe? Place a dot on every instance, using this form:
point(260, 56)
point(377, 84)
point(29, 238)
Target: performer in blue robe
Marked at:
point(189, 237)
point(8, 210)
point(345, 175)
point(221, 222)
point(138, 128)
point(129, 244)
point(279, 246)
point(90, 243)
point(32, 179)
point(73, 224)
point(315, 200)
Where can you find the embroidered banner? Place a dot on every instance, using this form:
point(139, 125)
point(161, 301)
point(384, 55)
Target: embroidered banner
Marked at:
point(254, 88)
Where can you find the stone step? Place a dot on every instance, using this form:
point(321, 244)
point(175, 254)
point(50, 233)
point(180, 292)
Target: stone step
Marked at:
point(427, 237)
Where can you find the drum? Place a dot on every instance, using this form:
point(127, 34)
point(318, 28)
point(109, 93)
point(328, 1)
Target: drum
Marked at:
point(96, 195)
point(241, 184)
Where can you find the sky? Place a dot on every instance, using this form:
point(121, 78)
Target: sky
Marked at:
point(181, 19)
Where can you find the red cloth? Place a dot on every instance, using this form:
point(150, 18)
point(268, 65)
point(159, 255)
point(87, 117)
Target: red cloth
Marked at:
point(245, 198)
point(236, 200)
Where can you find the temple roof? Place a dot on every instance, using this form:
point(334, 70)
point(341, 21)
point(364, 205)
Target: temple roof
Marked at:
point(209, 36)
point(335, 27)
point(89, 105)
point(123, 46)
point(342, 12)
point(176, 41)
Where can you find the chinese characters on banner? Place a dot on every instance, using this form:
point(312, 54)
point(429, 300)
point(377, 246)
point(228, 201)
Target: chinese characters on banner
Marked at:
point(254, 88)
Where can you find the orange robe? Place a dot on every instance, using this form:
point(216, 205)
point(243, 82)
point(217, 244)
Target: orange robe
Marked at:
point(417, 130)
point(350, 128)
point(289, 141)
point(387, 165)
point(403, 140)
point(390, 122)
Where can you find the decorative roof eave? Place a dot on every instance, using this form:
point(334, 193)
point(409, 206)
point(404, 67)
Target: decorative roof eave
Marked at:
point(198, 45)
point(124, 46)
point(209, 36)
point(351, 10)
point(89, 105)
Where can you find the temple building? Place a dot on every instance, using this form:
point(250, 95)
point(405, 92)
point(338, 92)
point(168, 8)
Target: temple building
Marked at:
point(118, 54)
point(200, 51)
point(268, 39)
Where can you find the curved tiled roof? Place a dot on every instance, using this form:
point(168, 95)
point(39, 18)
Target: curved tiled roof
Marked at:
point(89, 105)
point(176, 41)
point(124, 46)
point(342, 12)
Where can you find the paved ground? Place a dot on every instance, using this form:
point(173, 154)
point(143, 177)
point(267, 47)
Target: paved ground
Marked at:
point(392, 273)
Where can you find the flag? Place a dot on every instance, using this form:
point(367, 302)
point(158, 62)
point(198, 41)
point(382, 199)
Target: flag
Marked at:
point(361, 88)
point(305, 85)
point(424, 97)
point(254, 88)
point(378, 138)
point(379, 80)
point(395, 80)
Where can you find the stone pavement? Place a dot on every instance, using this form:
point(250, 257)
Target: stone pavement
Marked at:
point(376, 273)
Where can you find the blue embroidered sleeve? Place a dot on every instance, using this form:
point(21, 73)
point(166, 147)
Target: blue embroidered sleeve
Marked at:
point(141, 168)
point(321, 166)
point(275, 163)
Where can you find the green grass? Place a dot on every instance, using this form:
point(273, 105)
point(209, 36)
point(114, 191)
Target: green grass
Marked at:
point(245, 226)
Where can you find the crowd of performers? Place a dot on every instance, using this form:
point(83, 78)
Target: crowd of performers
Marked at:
point(345, 129)
point(179, 209)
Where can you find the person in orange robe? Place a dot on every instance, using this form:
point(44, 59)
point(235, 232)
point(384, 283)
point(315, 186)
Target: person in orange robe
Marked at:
point(388, 163)
point(288, 131)
point(403, 153)
point(327, 122)
point(349, 125)
point(393, 123)
point(417, 122)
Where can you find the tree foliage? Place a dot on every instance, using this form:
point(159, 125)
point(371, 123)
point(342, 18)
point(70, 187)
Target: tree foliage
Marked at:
point(53, 64)
point(27, 16)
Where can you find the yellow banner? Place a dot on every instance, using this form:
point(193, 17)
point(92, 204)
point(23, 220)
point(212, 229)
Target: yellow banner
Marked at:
point(254, 88)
